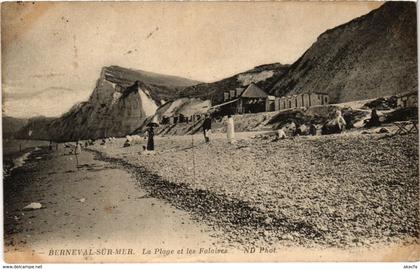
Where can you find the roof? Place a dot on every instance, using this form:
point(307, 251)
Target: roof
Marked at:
point(184, 106)
point(171, 108)
point(195, 106)
point(295, 95)
point(253, 91)
point(225, 103)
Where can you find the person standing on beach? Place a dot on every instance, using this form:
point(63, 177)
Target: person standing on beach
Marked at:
point(207, 128)
point(230, 129)
point(339, 122)
point(78, 148)
point(150, 138)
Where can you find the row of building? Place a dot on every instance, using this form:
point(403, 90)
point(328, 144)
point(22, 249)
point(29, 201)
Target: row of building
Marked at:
point(253, 100)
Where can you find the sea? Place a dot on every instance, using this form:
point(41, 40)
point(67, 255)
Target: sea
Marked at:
point(16, 151)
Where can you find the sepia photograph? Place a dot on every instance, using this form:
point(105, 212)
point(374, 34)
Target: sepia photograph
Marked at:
point(157, 132)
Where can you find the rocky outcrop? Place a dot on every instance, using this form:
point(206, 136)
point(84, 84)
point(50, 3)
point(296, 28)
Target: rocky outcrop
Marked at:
point(119, 104)
point(371, 56)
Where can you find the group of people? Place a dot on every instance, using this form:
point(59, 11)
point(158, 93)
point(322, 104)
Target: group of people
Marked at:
point(149, 146)
point(230, 129)
point(295, 129)
point(336, 125)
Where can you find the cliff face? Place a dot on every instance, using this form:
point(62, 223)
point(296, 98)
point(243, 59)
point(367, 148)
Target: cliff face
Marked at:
point(371, 56)
point(120, 102)
point(12, 125)
point(36, 128)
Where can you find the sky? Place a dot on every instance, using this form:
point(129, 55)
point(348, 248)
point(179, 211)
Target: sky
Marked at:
point(53, 52)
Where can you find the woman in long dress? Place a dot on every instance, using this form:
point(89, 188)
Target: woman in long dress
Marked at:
point(77, 148)
point(230, 129)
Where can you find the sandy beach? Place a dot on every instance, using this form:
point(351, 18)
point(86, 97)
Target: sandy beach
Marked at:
point(94, 206)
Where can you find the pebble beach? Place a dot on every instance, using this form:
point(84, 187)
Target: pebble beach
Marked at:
point(344, 191)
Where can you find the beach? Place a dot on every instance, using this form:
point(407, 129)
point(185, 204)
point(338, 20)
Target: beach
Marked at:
point(338, 197)
point(94, 206)
point(349, 190)
point(16, 152)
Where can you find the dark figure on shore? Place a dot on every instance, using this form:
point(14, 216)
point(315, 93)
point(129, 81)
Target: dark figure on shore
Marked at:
point(150, 138)
point(207, 128)
point(348, 118)
point(297, 131)
point(50, 146)
point(374, 120)
point(312, 129)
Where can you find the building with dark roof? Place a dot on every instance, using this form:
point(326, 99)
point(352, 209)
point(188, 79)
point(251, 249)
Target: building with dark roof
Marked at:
point(252, 99)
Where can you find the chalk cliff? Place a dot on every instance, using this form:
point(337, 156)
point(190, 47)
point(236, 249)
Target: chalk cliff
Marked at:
point(121, 101)
point(371, 56)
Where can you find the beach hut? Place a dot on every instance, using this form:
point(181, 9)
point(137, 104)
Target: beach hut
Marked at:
point(270, 103)
point(301, 100)
point(317, 99)
point(226, 96)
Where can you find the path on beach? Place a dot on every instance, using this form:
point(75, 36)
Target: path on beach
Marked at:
point(95, 206)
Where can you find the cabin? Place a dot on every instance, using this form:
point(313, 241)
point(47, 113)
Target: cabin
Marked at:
point(251, 99)
point(409, 99)
point(270, 103)
point(301, 100)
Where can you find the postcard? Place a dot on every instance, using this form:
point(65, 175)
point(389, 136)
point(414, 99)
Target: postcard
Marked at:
point(137, 132)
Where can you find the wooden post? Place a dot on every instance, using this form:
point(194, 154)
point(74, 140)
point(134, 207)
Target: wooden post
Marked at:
point(77, 160)
point(192, 146)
